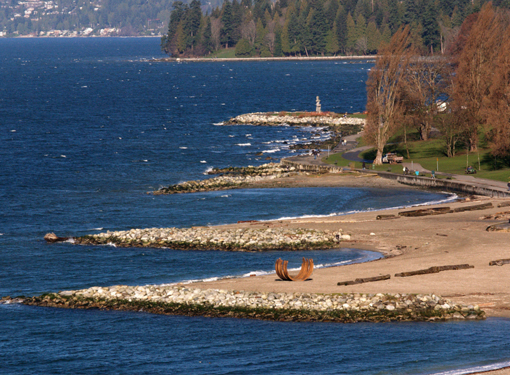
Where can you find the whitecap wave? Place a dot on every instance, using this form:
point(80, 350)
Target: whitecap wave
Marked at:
point(183, 148)
point(368, 256)
point(271, 151)
point(243, 144)
point(218, 123)
point(452, 197)
point(208, 170)
point(203, 161)
point(476, 369)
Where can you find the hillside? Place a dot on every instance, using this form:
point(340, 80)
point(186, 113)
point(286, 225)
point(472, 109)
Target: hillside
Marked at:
point(86, 17)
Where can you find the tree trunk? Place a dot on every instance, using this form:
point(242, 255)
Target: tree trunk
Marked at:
point(405, 141)
point(424, 132)
point(378, 157)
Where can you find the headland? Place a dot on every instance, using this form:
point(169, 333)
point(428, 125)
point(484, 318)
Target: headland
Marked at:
point(441, 262)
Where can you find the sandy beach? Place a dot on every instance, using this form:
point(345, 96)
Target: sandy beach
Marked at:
point(409, 244)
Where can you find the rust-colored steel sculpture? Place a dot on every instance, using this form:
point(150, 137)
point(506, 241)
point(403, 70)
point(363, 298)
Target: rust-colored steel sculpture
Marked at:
point(305, 272)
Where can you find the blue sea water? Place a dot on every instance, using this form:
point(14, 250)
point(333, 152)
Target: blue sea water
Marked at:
point(89, 126)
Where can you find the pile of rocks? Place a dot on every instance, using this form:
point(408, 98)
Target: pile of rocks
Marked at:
point(205, 238)
point(268, 169)
point(298, 306)
point(277, 119)
point(233, 177)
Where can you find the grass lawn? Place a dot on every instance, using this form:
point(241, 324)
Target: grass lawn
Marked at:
point(223, 53)
point(430, 154)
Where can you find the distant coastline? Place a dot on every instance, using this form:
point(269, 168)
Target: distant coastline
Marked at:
point(288, 58)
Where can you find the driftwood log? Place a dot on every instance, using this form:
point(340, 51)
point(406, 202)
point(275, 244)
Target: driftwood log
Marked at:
point(386, 217)
point(499, 262)
point(52, 237)
point(364, 280)
point(304, 273)
point(501, 227)
point(482, 206)
point(504, 204)
point(435, 269)
point(425, 212)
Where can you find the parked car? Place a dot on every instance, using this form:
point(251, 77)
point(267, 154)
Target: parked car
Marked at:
point(392, 158)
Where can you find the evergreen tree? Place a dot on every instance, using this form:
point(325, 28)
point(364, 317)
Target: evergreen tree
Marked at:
point(351, 33)
point(331, 11)
point(394, 21)
point(260, 34)
point(286, 48)
point(192, 24)
point(237, 20)
point(226, 34)
point(332, 46)
point(412, 12)
point(318, 29)
point(259, 9)
point(430, 25)
point(457, 18)
point(386, 35)
point(177, 14)
point(180, 38)
point(294, 31)
point(364, 8)
point(207, 36)
point(244, 48)
point(361, 27)
point(341, 28)
point(278, 52)
point(373, 37)
point(416, 36)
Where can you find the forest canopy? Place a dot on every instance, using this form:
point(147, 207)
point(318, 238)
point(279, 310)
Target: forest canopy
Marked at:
point(314, 27)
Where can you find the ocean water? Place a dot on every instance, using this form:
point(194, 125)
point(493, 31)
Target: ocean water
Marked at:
point(89, 126)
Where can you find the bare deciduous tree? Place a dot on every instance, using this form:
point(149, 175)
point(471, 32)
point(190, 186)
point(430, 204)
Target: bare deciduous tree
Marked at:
point(215, 32)
point(474, 74)
point(496, 108)
point(384, 89)
point(425, 82)
point(248, 31)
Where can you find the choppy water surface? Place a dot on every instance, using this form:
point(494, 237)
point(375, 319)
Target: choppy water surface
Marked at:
point(89, 126)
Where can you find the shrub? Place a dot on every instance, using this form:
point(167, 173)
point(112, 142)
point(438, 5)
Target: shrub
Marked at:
point(244, 48)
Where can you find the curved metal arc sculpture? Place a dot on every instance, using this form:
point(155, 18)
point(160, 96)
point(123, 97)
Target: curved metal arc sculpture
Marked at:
point(305, 272)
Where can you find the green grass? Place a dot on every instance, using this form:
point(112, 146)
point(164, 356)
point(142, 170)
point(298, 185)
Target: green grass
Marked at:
point(223, 53)
point(430, 154)
point(357, 115)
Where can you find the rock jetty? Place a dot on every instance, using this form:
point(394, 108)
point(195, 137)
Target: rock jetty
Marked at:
point(206, 238)
point(231, 178)
point(294, 119)
point(184, 300)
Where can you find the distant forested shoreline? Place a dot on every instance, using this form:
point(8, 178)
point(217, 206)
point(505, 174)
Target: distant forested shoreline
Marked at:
point(313, 27)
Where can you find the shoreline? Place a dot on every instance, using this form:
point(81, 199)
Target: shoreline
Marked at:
point(408, 244)
point(241, 59)
point(440, 240)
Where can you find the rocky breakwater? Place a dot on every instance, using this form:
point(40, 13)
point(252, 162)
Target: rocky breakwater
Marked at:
point(205, 238)
point(184, 300)
point(231, 178)
point(295, 119)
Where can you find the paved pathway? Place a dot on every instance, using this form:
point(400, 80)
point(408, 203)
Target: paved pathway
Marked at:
point(351, 152)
